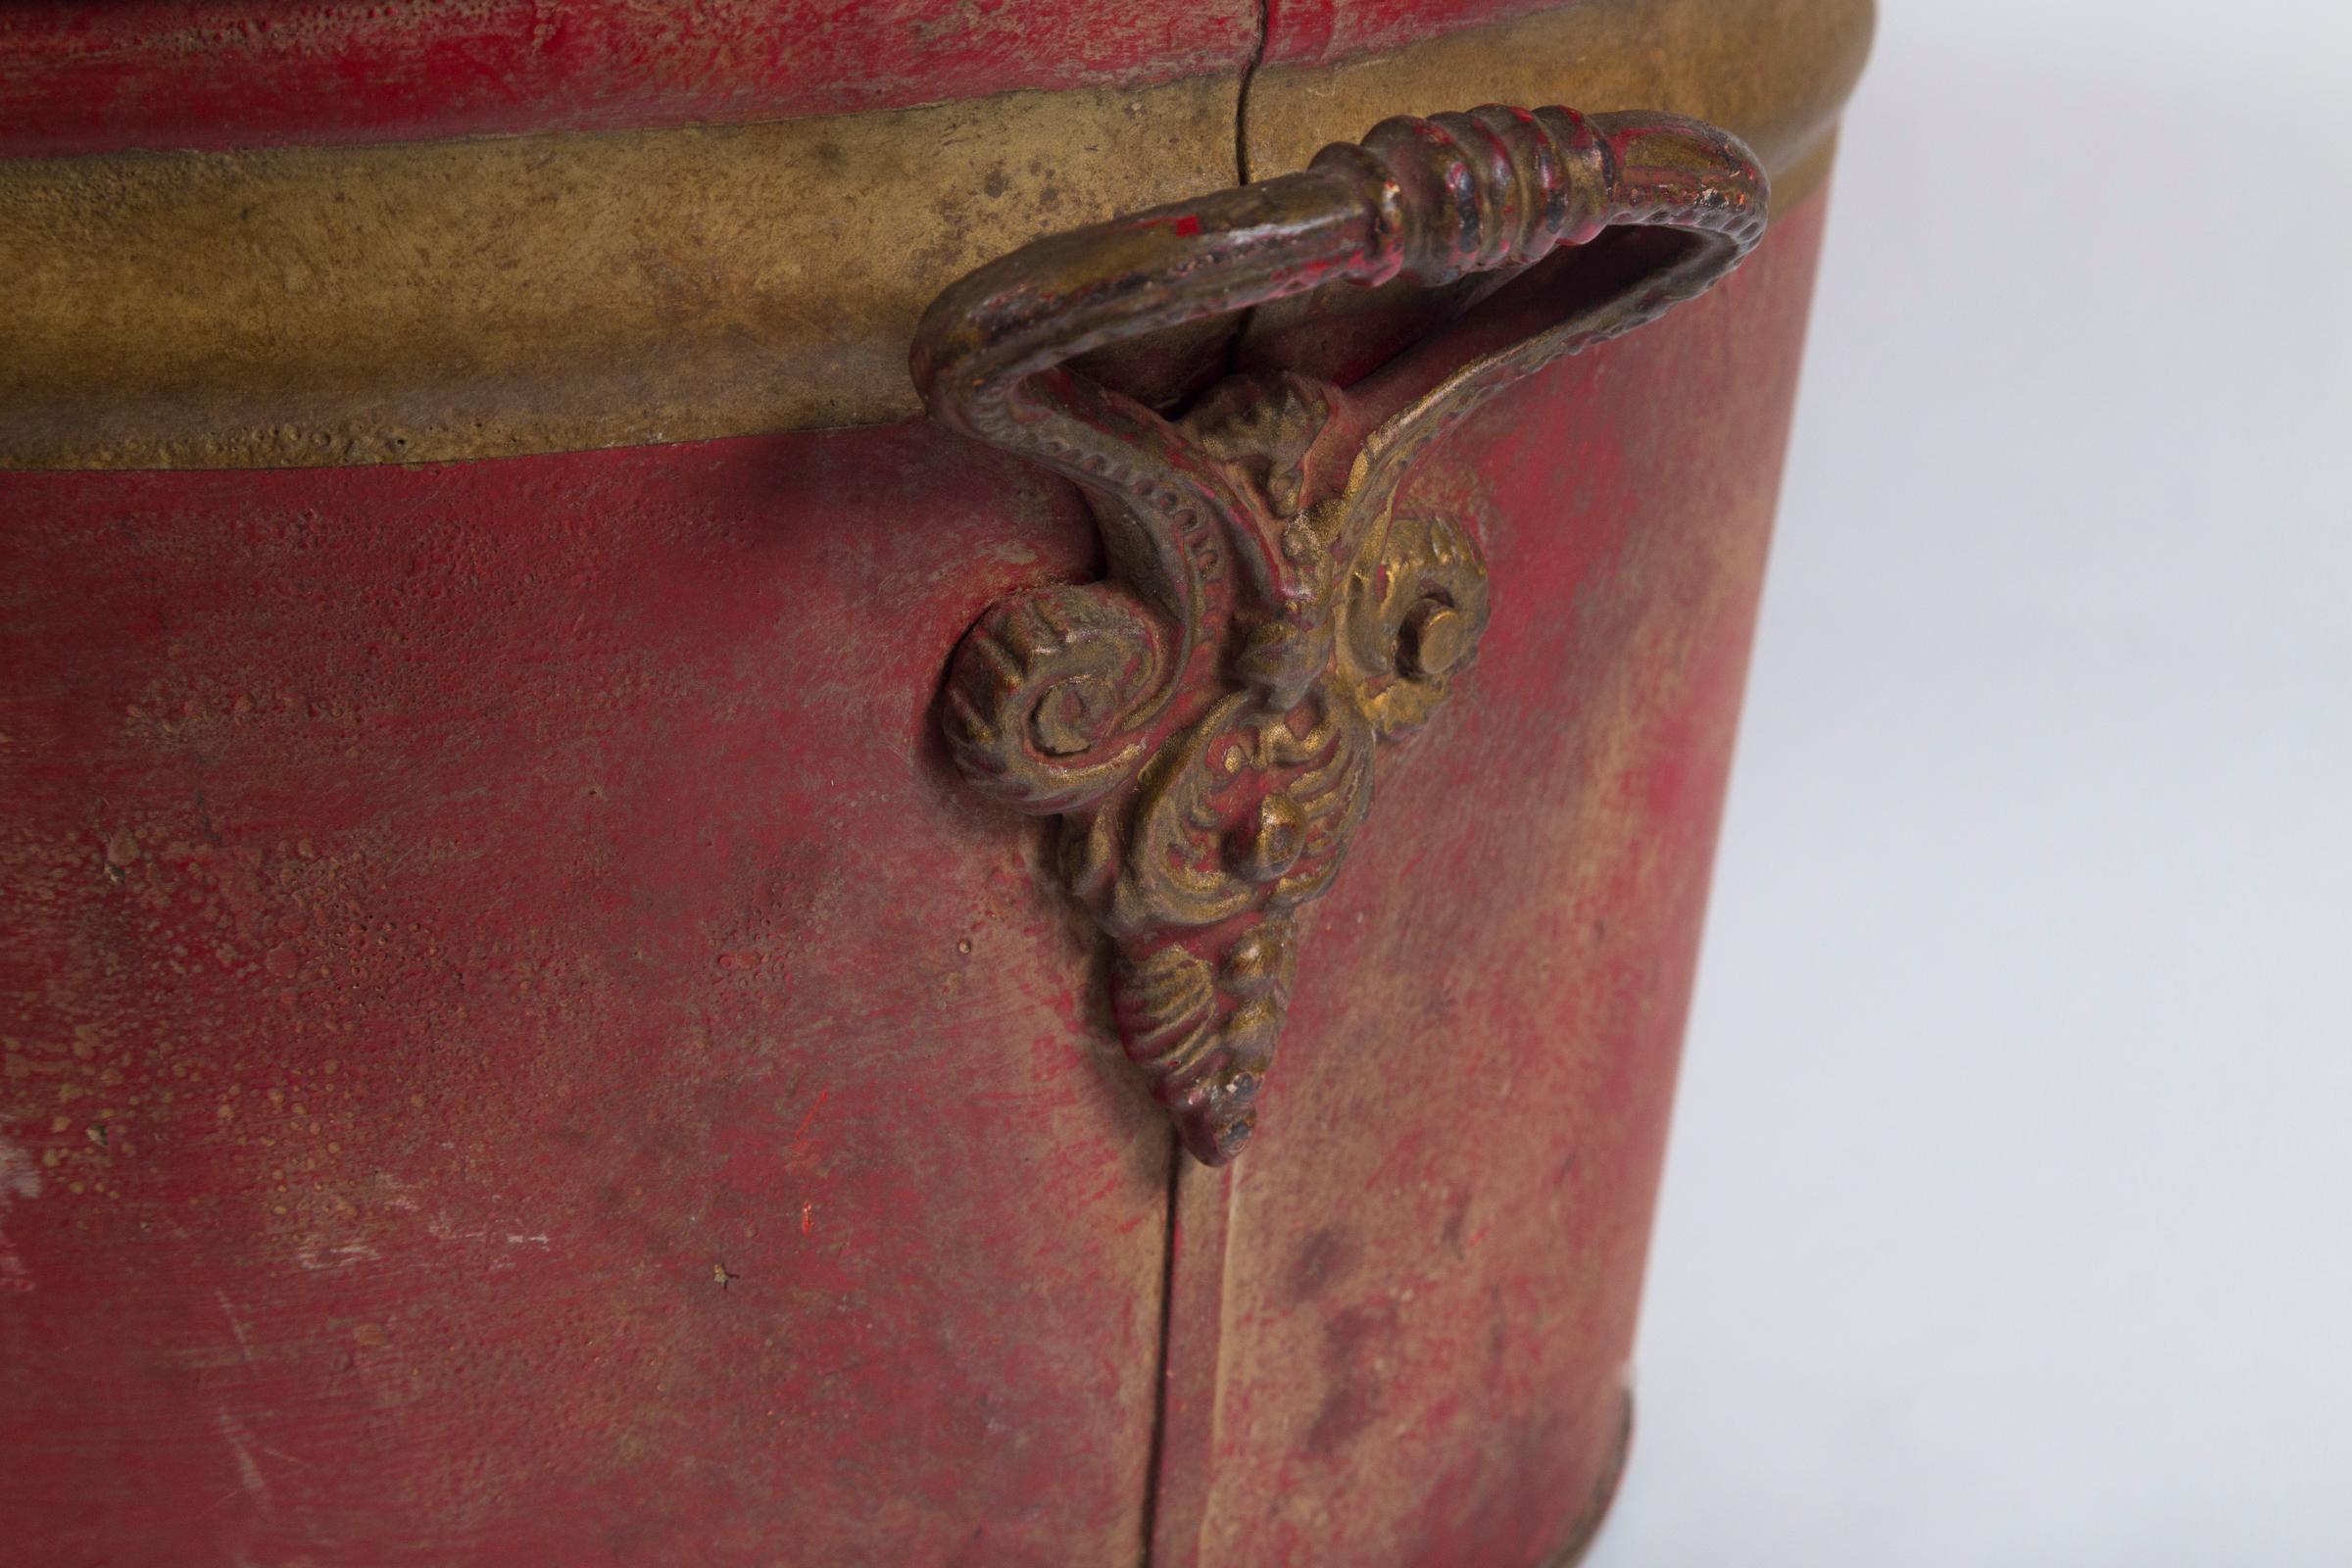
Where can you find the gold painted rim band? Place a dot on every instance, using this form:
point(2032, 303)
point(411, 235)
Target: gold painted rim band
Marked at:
point(436, 301)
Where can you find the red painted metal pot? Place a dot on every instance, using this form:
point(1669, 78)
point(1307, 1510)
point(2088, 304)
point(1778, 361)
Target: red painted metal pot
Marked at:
point(637, 934)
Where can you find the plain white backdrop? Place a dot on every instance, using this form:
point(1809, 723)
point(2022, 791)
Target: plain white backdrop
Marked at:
point(2008, 1216)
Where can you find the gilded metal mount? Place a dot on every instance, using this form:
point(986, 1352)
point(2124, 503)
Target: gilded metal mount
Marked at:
point(1203, 718)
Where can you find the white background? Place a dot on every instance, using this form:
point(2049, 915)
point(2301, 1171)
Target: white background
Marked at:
point(2008, 1217)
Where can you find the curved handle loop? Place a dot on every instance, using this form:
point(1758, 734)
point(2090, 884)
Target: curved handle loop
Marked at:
point(1432, 199)
point(1203, 718)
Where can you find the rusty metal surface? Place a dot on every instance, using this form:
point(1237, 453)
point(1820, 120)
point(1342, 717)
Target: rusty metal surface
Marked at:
point(299, 305)
point(1202, 721)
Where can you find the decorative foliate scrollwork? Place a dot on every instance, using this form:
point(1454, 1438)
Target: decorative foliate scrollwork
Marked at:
point(1203, 718)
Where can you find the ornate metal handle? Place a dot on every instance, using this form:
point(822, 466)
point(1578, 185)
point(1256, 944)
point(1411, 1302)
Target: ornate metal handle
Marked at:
point(1203, 718)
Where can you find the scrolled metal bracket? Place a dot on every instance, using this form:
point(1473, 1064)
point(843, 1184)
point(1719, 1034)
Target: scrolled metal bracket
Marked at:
point(1203, 718)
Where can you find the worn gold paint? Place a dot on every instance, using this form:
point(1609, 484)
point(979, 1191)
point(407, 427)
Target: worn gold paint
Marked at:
point(438, 301)
point(305, 305)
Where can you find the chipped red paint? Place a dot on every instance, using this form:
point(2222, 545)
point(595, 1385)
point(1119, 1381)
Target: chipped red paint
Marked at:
point(521, 1049)
point(1312, 32)
point(513, 1037)
point(215, 74)
point(1430, 1273)
point(223, 74)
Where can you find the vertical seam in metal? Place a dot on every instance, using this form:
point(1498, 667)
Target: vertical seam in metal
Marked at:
point(1241, 105)
point(1240, 159)
point(1158, 1461)
point(1155, 1457)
